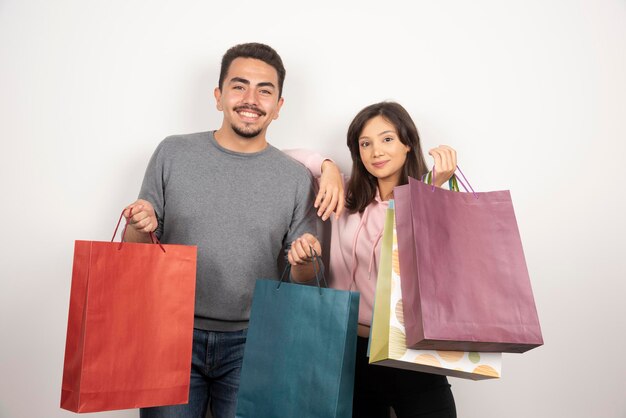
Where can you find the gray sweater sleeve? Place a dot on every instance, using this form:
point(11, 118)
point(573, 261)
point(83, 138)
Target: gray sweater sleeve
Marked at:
point(152, 188)
point(304, 216)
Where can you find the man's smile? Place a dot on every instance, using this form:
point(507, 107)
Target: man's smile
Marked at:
point(247, 112)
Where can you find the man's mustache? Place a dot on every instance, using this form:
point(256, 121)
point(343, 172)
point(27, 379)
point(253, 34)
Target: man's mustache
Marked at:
point(248, 107)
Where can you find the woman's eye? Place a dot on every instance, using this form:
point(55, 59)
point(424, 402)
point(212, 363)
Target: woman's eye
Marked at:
point(388, 139)
point(364, 144)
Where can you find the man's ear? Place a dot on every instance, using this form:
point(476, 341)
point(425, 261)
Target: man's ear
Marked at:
point(218, 98)
point(280, 104)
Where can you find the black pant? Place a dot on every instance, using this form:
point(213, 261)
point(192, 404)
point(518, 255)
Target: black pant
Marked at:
point(409, 393)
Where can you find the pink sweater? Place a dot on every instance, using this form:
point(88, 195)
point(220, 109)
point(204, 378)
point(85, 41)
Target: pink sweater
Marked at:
point(354, 244)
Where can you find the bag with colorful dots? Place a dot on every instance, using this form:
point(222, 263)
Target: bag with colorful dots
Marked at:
point(388, 340)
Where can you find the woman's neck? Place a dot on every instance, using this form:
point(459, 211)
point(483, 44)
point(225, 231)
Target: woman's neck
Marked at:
point(385, 188)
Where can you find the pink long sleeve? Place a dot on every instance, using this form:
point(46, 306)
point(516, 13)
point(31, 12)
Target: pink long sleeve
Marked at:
point(310, 159)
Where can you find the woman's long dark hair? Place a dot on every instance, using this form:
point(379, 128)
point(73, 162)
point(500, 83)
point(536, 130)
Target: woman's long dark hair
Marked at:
point(362, 185)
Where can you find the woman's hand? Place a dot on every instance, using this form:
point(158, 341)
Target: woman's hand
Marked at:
point(445, 163)
point(330, 198)
point(300, 252)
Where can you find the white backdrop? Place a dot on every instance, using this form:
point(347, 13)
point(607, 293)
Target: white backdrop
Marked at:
point(531, 93)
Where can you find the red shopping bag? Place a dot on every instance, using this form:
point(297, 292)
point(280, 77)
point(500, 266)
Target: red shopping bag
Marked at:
point(464, 278)
point(130, 326)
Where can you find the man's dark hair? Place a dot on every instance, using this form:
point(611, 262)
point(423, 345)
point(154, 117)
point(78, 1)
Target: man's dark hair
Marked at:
point(257, 51)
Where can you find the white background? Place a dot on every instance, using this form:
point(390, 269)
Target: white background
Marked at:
point(531, 93)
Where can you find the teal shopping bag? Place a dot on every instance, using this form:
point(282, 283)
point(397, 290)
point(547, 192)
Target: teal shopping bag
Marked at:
point(300, 352)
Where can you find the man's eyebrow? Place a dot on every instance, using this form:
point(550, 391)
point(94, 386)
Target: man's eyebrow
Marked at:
point(266, 84)
point(239, 80)
point(247, 82)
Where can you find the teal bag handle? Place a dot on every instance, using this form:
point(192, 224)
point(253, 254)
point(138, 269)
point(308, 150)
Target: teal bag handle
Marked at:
point(319, 273)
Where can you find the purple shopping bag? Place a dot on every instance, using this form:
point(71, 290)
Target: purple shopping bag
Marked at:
point(464, 278)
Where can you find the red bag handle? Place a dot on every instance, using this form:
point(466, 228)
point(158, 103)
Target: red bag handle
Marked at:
point(153, 237)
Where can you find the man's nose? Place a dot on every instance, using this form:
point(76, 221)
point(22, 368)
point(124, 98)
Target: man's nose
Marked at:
point(250, 97)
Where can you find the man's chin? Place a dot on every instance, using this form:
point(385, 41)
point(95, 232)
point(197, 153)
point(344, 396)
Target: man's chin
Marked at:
point(247, 133)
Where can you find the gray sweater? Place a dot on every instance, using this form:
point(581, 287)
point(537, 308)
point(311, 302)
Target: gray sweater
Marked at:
point(241, 210)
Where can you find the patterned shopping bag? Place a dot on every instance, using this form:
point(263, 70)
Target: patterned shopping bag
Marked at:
point(388, 339)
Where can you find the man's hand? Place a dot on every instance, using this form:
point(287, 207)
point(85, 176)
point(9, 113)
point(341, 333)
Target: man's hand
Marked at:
point(141, 218)
point(445, 163)
point(330, 198)
point(300, 252)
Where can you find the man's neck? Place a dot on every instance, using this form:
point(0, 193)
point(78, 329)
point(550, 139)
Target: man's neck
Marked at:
point(228, 139)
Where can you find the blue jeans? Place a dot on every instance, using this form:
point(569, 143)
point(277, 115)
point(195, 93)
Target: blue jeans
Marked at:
point(215, 368)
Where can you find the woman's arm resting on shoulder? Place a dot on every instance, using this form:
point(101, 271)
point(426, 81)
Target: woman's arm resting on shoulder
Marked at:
point(331, 197)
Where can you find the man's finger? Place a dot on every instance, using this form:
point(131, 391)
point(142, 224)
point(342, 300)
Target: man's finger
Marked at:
point(316, 247)
point(294, 256)
point(302, 250)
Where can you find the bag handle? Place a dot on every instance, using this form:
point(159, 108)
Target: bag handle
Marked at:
point(318, 273)
point(452, 181)
point(153, 237)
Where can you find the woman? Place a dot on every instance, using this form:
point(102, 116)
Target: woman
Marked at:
point(385, 149)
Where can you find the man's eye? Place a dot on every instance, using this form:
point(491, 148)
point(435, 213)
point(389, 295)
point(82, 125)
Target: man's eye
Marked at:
point(266, 92)
point(238, 88)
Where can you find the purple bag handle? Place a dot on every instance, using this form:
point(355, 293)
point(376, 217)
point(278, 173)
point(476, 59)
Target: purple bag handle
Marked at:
point(459, 180)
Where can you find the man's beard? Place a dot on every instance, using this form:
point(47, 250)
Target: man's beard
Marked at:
point(246, 134)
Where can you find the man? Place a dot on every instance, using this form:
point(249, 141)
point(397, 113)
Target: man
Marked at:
point(242, 202)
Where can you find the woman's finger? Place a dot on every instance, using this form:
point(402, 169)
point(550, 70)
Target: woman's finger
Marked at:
point(332, 205)
point(324, 203)
point(340, 204)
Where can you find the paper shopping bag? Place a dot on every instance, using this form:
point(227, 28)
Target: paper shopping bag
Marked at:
point(388, 340)
point(300, 352)
point(130, 326)
point(465, 283)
